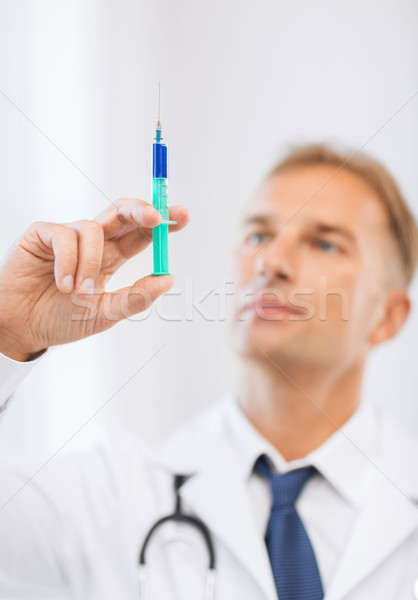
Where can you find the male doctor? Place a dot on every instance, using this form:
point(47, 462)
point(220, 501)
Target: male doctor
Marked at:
point(306, 492)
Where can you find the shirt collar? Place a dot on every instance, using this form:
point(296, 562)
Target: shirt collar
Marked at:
point(344, 459)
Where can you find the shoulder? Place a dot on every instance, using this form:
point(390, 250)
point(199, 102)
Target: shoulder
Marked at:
point(75, 473)
point(103, 459)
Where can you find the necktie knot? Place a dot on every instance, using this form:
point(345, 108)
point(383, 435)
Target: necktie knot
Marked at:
point(285, 487)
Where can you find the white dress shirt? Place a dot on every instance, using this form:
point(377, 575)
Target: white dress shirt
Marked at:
point(329, 502)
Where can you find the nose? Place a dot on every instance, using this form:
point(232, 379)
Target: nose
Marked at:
point(277, 258)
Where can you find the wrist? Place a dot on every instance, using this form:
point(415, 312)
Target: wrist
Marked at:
point(20, 356)
point(14, 350)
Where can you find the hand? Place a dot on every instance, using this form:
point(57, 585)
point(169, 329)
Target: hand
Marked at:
point(53, 279)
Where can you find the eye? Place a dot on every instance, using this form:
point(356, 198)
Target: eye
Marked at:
point(256, 238)
point(326, 246)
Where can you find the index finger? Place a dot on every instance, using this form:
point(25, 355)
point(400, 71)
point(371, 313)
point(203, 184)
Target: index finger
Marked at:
point(126, 214)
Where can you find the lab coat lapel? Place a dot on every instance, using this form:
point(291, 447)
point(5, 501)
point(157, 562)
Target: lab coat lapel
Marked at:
point(221, 499)
point(389, 515)
point(387, 520)
point(219, 495)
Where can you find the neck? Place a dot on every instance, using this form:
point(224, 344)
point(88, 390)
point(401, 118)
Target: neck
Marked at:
point(297, 409)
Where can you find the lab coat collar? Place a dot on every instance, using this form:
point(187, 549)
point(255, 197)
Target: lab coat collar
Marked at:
point(218, 493)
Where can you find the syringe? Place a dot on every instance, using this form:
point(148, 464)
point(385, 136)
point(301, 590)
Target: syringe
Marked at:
point(159, 201)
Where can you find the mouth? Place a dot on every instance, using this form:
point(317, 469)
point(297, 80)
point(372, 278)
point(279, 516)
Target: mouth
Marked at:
point(272, 307)
point(269, 309)
point(270, 303)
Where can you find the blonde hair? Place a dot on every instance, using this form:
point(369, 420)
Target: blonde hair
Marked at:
point(401, 220)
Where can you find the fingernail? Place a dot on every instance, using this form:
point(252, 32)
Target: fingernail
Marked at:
point(153, 213)
point(141, 213)
point(138, 213)
point(87, 287)
point(67, 282)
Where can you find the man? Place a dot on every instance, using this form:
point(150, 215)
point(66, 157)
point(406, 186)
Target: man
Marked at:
point(305, 491)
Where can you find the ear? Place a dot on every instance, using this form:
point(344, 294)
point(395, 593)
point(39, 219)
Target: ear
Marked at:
point(395, 313)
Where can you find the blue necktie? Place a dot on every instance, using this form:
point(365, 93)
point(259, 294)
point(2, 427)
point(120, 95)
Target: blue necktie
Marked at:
point(292, 558)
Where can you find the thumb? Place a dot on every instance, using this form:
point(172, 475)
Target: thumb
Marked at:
point(129, 301)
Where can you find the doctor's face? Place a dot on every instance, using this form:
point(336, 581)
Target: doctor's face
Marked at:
point(311, 265)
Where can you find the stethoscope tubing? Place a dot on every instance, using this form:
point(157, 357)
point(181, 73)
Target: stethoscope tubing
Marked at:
point(179, 517)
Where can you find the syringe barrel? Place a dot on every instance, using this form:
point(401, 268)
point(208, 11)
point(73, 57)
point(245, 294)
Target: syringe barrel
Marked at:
point(159, 200)
point(160, 232)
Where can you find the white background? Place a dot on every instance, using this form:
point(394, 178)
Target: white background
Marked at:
point(241, 81)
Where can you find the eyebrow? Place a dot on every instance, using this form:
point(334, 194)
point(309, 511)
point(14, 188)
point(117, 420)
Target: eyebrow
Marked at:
point(318, 227)
point(338, 229)
point(257, 220)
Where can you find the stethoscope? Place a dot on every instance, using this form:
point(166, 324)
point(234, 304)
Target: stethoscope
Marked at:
point(179, 517)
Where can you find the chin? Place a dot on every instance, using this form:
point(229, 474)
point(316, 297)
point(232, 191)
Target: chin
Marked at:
point(266, 345)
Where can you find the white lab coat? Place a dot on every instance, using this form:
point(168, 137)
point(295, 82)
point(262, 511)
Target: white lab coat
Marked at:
point(76, 530)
